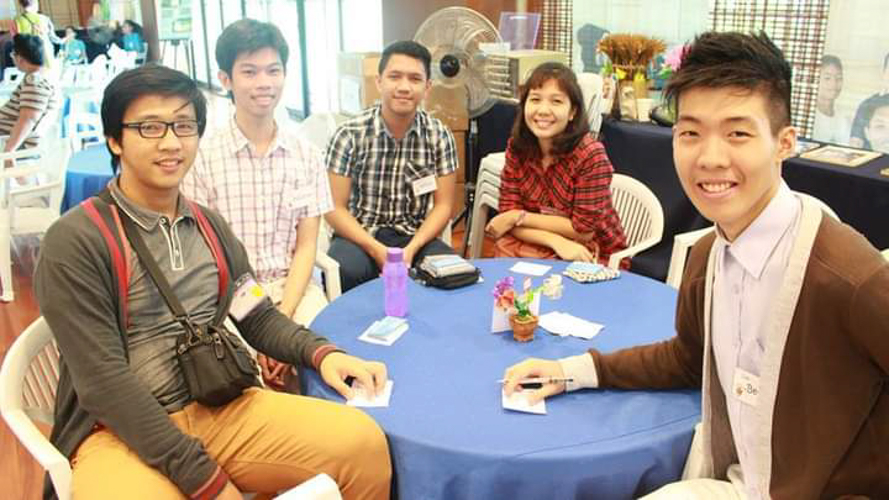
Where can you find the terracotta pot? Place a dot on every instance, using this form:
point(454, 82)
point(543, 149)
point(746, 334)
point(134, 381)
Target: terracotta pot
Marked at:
point(523, 328)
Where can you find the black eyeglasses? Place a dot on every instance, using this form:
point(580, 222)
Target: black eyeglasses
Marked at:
point(158, 129)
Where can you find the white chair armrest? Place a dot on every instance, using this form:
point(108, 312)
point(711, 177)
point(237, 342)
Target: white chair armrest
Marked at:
point(682, 242)
point(616, 257)
point(47, 455)
point(331, 271)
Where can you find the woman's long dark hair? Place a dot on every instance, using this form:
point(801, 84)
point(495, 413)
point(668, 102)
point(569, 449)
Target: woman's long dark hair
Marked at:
point(524, 142)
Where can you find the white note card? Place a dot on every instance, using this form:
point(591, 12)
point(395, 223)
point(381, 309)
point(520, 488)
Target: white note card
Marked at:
point(562, 324)
point(530, 268)
point(385, 331)
point(361, 398)
point(519, 402)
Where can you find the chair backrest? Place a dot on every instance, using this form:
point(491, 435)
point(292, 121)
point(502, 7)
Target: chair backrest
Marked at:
point(28, 380)
point(318, 128)
point(11, 75)
point(84, 127)
point(639, 210)
point(591, 86)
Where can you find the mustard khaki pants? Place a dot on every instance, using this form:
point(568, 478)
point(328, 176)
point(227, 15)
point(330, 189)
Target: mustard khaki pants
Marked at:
point(266, 441)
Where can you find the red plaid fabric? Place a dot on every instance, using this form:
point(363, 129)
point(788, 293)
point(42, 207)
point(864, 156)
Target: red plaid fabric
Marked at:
point(577, 186)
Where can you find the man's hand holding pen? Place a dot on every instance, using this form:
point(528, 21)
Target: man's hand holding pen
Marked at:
point(547, 374)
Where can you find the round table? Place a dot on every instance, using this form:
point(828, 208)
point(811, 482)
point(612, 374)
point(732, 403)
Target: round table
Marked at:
point(89, 171)
point(448, 434)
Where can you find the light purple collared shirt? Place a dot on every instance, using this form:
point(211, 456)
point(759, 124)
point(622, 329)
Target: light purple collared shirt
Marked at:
point(748, 275)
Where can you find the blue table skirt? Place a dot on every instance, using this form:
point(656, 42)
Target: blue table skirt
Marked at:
point(448, 434)
point(89, 171)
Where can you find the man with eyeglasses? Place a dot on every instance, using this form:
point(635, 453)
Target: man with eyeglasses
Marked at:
point(265, 180)
point(22, 117)
point(123, 404)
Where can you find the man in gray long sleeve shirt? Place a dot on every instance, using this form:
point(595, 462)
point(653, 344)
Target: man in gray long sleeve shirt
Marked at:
point(124, 405)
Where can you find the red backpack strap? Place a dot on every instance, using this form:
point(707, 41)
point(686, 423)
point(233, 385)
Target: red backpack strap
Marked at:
point(210, 236)
point(120, 263)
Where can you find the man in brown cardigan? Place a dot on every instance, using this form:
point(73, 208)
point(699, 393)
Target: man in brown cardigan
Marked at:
point(783, 313)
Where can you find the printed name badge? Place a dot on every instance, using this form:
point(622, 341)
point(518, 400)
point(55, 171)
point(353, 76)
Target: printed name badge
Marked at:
point(746, 386)
point(424, 185)
point(248, 295)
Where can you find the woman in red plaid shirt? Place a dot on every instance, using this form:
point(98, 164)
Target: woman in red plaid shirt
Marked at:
point(555, 196)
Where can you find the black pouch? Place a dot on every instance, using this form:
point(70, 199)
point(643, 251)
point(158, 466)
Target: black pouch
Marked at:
point(446, 282)
point(215, 364)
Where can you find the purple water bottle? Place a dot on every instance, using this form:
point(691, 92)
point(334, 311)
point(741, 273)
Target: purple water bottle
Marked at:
point(395, 283)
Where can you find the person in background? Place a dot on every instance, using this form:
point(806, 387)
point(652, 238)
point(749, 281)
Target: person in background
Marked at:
point(386, 167)
point(73, 50)
point(22, 116)
point(876, 116)
point(857, 138)
point(131, 39)
point(32, 22)
point(125, 417)
point(266, 181)
point(830, 124)
point(783, 312)
point(555, 189)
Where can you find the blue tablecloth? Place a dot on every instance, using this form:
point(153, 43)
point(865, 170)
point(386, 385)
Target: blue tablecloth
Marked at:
point(448, 434)
point(89, 170)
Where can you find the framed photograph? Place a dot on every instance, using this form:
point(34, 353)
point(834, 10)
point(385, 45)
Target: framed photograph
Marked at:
point(802, 146)
point(837, 155)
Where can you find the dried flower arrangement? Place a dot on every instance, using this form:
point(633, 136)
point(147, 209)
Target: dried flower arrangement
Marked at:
point(630, 54)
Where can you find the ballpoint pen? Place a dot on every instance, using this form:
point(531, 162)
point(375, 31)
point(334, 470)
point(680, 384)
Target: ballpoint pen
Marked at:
point(537, 382)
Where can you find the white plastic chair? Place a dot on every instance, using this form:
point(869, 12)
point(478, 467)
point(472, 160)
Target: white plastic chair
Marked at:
point(11, 75)
point(640, 214)
point(489, 171)
point(28, 380)
point(29, 209)
point(591, 86)
point(320, 487)
point(683, 242)
point(84, 129)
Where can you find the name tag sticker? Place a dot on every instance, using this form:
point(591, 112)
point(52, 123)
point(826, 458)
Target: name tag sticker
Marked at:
point(248, 295)
point(746, 386)
point(424, 185)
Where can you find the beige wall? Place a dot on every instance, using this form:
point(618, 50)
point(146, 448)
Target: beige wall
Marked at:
point(401, 18)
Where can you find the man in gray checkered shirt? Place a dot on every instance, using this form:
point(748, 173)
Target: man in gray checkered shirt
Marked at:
point(391, 172)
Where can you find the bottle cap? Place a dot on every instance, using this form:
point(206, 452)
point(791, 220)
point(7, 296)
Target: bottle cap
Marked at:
point(395, 255)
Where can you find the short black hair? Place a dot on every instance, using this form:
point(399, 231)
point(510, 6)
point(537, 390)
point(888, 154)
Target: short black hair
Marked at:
point(733, 59)
point(248, 35)
point(408, 48)
point(524, 142)
point(870, 106)
point(29, 47)
point(136, 27)
point(831, 60)
point(150, 79)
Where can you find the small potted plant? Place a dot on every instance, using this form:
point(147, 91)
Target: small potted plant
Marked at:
point(521, 319)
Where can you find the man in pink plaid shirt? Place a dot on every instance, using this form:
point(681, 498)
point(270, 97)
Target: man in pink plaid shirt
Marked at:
point(269, 184)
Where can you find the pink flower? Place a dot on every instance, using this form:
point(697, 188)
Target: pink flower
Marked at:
point(673, 57)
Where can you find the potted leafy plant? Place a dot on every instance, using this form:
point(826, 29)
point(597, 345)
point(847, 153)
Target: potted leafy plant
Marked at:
point(521, 319)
